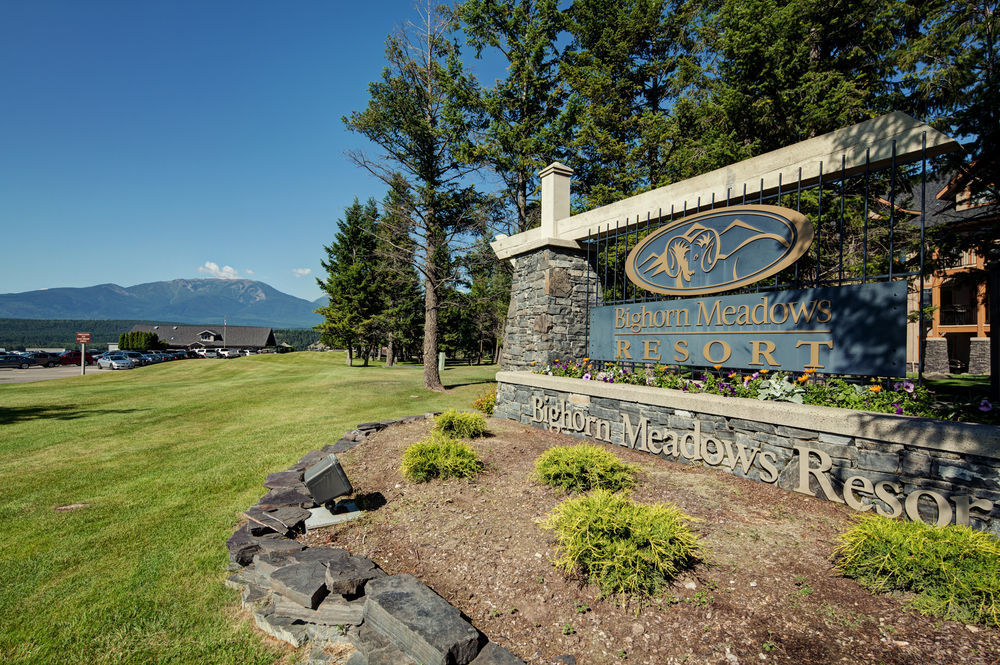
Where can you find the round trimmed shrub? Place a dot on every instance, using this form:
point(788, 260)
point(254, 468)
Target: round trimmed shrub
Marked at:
point(953, 570)
point(463, 425)
point(623, 547)
point(439, 456)
point(584, 467)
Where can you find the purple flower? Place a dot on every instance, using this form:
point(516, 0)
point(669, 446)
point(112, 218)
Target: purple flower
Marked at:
point(985, 405)
point(586, 377)
point(908, 386)
point(755, 375)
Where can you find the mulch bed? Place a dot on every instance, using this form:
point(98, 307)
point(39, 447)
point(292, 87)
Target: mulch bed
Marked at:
point(767, 594)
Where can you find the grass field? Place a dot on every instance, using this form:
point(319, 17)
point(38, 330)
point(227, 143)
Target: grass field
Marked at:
point(166, 458)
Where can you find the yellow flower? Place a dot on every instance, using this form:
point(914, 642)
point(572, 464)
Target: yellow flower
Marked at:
point(534, 362)
point(764, 371)
point(586, 359)
point(875, 389)
point(717, 366)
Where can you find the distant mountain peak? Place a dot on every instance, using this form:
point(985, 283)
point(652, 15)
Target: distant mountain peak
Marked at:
point(198, 300)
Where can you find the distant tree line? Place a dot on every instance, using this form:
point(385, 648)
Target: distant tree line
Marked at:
point(632, 95)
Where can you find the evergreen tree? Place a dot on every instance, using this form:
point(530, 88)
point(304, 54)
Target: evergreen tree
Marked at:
point(627, 63)
point(351, 283)
point(526, 128)
point(419, 115)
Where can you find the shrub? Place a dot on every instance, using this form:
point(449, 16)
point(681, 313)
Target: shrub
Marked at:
point(464, 425)
point(486, 402)
point(954, 570)
point(439, 456)
point(621, 546)
point(583, 468)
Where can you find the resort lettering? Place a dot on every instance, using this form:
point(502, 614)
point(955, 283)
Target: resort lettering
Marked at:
point(809, 329)
point(861, 493)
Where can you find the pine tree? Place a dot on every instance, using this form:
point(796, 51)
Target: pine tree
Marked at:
point(419, 114)
point(351, 284)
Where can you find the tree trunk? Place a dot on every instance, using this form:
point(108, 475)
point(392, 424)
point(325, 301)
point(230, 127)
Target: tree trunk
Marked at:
point(350, 355)
point(366, 352)
point(432, 378)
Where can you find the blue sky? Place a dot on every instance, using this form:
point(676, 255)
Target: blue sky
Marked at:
point(148, 141)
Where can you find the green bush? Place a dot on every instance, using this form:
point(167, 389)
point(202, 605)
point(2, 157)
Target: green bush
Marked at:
point(486, 402)
point(439, 456)
point(463, 425)
point(954, 570)
point(583, 468)
point(621, 546)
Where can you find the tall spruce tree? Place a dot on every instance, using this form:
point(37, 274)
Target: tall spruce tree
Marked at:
point(351, 283)
point(627, 63)
point(419, 114)
point(526, 128)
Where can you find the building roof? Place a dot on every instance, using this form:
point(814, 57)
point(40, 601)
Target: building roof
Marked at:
point(221, 336)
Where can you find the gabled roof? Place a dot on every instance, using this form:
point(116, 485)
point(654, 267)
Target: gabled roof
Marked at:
point(236, 336)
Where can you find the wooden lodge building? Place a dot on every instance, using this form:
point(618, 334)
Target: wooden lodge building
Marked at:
point(211, 336)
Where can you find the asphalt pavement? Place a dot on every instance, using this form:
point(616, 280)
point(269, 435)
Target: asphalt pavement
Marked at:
point(38, 373)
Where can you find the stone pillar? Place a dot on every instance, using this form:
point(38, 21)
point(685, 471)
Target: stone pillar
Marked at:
point(979, 355)
point(548, 316)
point(936, 356)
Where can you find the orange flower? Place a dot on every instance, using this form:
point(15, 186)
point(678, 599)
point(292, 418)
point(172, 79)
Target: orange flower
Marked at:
point(717, 366)
point(534, 362)
point(764, 371)
point(586, 359)
point(875, 389)
point(810, 370)
point(803, 378)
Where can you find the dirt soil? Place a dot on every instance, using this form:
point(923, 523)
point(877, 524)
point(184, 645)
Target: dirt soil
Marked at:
point(767, 594)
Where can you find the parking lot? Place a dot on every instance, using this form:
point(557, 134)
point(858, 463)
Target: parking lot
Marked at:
point(37, 373)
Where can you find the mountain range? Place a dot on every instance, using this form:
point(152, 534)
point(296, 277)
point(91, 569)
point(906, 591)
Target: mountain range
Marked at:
point(242, 302)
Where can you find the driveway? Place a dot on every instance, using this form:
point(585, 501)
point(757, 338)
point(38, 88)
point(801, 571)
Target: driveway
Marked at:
point(11, 375)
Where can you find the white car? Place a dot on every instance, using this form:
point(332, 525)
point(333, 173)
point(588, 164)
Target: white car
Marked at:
point(229, 353)
point(115, 361)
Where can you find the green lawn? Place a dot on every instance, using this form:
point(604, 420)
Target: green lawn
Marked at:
point(167, 457)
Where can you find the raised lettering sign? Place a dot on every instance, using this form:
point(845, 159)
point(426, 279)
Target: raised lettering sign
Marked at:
point(836, 330)
point(719, 250)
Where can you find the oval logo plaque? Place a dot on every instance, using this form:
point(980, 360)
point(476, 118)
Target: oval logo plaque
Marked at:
point(719, 250)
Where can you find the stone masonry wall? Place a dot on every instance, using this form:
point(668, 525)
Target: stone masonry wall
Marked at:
point(547, 319)
point(898, 478)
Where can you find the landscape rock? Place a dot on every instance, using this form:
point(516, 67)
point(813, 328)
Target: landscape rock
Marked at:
point(305, 583)
point(280, 628)
point(286, 520)
point(342, 446)
point(283, 479)
point(418, 622)
point(492, 654)
point(348, 574)
point(279, 545)
point(335, 610)
point(242, 545)
point(286, 496)
point(253, 595)
point(374, 649)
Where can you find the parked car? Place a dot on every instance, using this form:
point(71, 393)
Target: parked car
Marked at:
point(43, 358)
point(229, 353)
point(137, 358)
point(73, 358)
point(115, 361)
point(210, 353)
point(14, 360)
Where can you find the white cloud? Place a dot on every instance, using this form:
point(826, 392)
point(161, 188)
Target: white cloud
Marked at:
point(301, 272)
point(212, 268)
point(248, 271)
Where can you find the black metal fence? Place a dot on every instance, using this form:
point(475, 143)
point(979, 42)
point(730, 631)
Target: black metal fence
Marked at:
point(869, 225)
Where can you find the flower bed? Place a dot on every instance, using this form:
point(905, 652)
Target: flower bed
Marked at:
point(900, 397)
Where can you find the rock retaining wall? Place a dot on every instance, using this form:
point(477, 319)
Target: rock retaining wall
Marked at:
point(348, 608)
point(926, 469)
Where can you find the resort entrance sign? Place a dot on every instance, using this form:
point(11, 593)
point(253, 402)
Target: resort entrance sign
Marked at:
point(855, 329)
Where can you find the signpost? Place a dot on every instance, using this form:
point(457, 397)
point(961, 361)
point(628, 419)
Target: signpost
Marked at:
point(82, 338)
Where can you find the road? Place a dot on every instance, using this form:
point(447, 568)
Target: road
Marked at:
point(11, 375)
